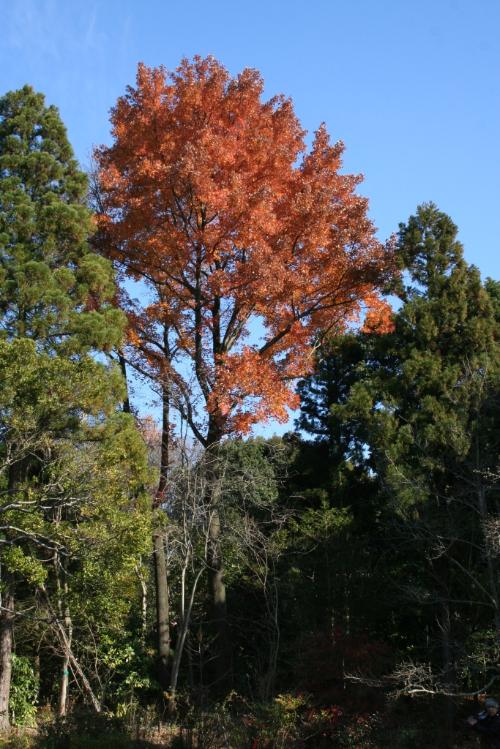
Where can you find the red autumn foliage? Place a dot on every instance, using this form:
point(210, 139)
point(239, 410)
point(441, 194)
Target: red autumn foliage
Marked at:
point(209, 194)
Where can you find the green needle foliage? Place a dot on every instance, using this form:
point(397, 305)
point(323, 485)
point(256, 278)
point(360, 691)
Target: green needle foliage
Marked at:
point(415, 412)
point(74, 508)
point(52, 288)
point(422, 389)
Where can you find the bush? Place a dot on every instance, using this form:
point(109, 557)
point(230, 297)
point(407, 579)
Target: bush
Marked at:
point(23, 692)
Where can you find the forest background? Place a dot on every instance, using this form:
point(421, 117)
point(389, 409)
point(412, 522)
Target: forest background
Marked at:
point(337, 585)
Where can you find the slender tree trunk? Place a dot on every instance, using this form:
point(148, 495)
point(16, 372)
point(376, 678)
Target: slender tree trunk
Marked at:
point(182, 635)
point(62, 705)
point(77, 668)
point(7, 615)
point(64, 617)
point(144, 603)
point(222, 671)
point(63, 689)
point(68, 652)
point(162, 606)
point(123, 367)
point(189, 650)
point(217, 591)
point(6, 640)
point(272, 606)
point(159, 541)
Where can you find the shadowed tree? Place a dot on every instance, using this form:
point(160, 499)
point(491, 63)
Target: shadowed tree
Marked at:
point(425, 404)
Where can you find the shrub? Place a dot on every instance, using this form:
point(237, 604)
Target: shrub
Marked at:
point(23, 692)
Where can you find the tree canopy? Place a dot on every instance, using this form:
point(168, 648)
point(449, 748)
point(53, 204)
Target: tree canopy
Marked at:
point(208, 194)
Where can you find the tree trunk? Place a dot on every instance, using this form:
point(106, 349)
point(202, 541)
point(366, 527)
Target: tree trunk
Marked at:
point(182, 634)
point(222, 665)
point(144, 603)
point(272, 606)
point(162, 606)
point(77, 668)
point(7, 617)
point(63, 689)
point(62, 705)
point(123, 367)
point(64, 617)
point(6, 639)
point(160, 559)
point(68, 652)
point(218, 618)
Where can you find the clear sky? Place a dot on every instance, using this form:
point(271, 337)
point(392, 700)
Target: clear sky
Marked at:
point(412, 88)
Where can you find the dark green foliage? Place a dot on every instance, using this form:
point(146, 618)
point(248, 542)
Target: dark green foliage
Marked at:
point(418, 419)
point(73, 477)
point(52, 289)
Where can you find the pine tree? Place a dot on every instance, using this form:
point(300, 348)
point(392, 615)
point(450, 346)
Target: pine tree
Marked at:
point(423, 403)
point(56, 311)
point(52, 288)
point(419, 409)
point(339, 507)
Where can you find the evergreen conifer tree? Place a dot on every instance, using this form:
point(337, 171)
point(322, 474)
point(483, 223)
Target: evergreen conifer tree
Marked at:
point(52, 288)
point(56, 301)
point(422, 401)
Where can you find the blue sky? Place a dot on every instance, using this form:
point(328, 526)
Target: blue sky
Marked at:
point(412, 88)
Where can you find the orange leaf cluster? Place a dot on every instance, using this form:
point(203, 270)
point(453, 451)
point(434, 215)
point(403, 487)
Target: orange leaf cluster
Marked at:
point(209, 194)
point(259, 393)
point(379, 316)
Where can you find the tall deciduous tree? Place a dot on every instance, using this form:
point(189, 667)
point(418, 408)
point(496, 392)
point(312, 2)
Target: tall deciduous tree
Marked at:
point(208, 194)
